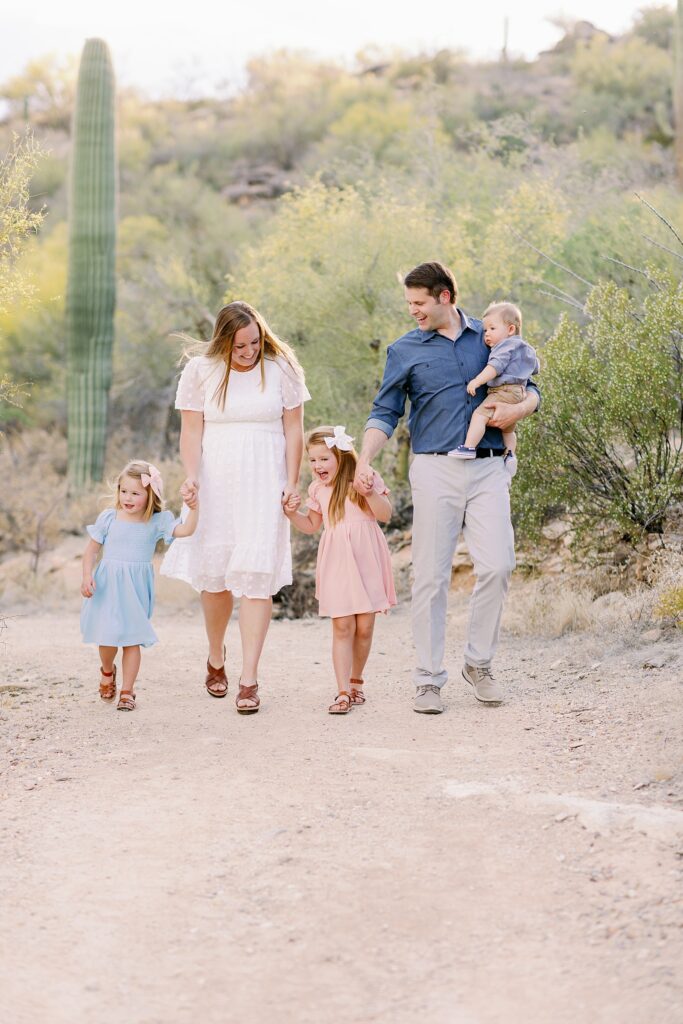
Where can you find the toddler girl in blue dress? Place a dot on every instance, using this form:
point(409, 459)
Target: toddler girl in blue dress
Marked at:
point(120, 592)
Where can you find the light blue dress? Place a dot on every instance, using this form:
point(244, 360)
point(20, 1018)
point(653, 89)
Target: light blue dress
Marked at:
point(118, 613)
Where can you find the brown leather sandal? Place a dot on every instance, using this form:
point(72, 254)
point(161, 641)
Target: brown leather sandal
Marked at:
point(249, 693)
point(216, 681)
point(126, 701)
point(341, 705)
point(357, 695)
point(108, 685)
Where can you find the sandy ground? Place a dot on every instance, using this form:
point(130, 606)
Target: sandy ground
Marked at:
point(184, 863)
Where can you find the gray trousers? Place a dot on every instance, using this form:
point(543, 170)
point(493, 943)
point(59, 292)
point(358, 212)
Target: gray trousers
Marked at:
point(450, 495)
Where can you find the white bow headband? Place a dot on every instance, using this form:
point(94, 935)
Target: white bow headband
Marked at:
point(341, 440)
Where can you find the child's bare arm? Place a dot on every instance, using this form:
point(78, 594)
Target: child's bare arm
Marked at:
point(306, 522)
point(380, 505)
point(487, 374)
point(187, 528)
point(92, 550)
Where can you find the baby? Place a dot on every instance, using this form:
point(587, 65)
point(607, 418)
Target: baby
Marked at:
point(511, 362)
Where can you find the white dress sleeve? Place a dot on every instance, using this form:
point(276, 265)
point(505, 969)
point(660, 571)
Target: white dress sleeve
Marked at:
point(294, 390)
point(192, 386)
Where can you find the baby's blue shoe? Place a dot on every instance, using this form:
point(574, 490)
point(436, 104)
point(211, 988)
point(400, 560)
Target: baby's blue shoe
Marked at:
point(462, 452)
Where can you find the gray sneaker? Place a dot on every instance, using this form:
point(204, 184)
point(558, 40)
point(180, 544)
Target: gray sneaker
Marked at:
point(486, 689)
point(428, 700)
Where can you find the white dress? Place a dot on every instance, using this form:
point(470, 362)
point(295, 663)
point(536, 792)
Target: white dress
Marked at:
point(241, 542)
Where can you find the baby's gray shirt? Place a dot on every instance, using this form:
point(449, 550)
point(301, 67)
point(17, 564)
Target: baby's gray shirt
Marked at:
point(514, 361)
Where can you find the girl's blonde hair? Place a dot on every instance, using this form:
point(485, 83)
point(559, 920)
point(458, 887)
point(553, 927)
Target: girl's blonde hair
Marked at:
point(134, 470)
point(231, 319)
point(342, 488)
point(508, 313)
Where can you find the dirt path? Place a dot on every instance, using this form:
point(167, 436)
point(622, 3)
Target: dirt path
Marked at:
point(183, 863)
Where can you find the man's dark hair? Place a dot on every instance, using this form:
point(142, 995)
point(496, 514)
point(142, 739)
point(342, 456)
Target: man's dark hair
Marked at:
point(435, 277)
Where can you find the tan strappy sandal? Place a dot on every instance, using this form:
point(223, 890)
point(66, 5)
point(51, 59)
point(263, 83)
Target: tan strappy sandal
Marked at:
point(341, 704)
point(357, 695)
point(126, 701)
point(108, 685)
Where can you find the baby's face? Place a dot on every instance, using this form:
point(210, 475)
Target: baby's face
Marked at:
point(496, 330)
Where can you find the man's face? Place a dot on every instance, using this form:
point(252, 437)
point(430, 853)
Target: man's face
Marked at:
point(430, 314)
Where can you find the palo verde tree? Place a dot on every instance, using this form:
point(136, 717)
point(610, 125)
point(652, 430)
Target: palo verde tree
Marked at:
point(91, 289)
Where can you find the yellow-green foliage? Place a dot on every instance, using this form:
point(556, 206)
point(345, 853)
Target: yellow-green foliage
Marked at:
point(327, 274)
point(533, 211)
point(670, 606)
point(17, 220)
point(630, 67)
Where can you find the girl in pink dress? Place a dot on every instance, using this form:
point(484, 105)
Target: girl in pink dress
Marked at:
point(353, 575)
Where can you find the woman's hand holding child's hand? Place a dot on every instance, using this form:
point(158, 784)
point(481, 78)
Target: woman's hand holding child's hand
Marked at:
point(188, 492)
point(291, 503)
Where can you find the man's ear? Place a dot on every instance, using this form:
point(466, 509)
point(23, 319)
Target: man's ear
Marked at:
point(445, 297)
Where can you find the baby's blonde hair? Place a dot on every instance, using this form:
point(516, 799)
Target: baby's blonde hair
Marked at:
point(134, 470)
point(508, 312)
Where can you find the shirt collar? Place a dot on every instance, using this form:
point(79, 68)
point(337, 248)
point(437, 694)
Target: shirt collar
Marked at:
point(465, 323)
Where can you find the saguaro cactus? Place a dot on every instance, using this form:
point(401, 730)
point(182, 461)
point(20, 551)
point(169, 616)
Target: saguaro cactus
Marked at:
point(91, 290)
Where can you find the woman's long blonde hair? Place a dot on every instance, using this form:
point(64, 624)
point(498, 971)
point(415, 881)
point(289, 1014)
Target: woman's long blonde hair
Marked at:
point(342, 488)
point(231, 319)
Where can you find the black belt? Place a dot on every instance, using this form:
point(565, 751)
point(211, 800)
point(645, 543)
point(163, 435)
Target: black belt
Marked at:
point(482, 453)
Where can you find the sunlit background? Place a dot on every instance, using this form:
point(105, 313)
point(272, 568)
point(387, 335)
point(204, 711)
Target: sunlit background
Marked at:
point(201, 47)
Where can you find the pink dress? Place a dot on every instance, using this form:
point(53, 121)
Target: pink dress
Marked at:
point(353, 574)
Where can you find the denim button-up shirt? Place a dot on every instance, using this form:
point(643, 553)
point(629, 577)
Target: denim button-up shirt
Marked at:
point(433, 371)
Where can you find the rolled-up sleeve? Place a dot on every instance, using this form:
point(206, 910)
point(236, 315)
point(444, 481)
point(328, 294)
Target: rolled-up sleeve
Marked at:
point(390, 403)
point(533, 386)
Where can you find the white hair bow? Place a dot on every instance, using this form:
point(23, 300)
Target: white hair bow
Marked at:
point(341, 440)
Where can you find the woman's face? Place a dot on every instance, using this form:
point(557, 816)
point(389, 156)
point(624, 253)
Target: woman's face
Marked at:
point(246, 347)
point(323, 462)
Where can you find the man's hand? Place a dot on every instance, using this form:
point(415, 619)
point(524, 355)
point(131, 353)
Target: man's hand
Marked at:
point(471, 388)
point(504, 416)
point(363, 478)
point(365, 483)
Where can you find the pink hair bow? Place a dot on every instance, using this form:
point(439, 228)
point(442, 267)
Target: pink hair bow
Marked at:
point(341, 440)
point(153, 480)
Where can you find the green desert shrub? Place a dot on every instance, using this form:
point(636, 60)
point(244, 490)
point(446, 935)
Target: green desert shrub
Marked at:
point(607, 446)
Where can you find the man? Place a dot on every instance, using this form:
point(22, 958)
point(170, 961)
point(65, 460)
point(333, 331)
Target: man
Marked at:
point(431, 366)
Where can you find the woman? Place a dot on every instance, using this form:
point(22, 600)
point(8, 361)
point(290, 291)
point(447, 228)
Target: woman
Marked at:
point(241, 443)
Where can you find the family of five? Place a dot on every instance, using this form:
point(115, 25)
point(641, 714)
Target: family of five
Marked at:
point(242, 442)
